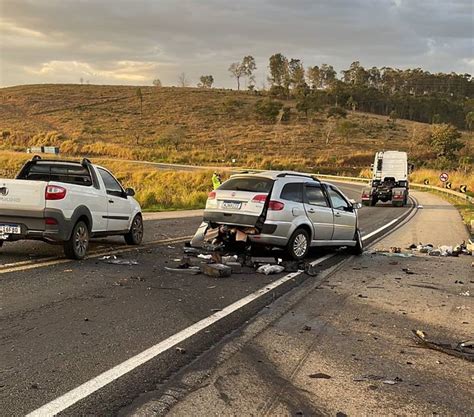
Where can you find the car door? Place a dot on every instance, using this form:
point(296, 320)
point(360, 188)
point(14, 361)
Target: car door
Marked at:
point(319, 212)
point(344, 215)
point(118, 206)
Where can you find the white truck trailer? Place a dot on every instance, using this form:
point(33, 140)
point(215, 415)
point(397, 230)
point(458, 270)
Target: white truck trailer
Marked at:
point(389, 179)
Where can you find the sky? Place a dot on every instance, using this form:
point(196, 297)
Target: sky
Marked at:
point(133, 42)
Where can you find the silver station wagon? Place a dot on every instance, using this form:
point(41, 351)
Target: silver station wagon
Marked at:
point(286, 209)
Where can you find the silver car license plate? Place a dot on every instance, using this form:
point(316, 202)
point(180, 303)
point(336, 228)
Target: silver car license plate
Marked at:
point(233, 205)
point(10, 229)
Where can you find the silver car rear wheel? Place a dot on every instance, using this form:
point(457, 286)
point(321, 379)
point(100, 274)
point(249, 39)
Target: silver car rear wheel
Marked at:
point(298, 245)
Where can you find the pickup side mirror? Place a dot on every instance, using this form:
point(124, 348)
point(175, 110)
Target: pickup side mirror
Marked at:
point(130, 192)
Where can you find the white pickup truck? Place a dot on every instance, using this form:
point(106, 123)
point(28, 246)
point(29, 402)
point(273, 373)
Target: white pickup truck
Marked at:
point(65, 202)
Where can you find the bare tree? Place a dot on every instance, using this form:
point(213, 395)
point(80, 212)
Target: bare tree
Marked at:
point(183, 80)
point(243, 69)
point(157, 82)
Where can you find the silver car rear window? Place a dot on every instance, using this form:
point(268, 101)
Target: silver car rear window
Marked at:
point(249, 184)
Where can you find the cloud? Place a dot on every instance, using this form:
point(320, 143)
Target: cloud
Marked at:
point(125, 41)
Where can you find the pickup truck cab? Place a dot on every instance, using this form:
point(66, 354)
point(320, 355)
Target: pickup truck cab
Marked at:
point(66, 202)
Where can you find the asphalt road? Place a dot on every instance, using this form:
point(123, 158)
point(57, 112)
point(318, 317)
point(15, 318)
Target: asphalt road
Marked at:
point(67, 322)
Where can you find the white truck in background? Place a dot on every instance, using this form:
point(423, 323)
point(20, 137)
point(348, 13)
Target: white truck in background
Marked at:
point(67, 203)
point(389, 179)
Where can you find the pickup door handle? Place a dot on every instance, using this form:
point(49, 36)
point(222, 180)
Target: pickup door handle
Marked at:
point(111, 201)
point(311, 210)
point(337, 214)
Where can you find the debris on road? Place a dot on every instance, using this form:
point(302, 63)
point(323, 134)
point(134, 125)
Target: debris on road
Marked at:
point(115, 260)
point(442, 250)
point(181, 350)
point(216, 270)
point(394, 381)
point(408, 271)
point(270, 269)
point(464, 350)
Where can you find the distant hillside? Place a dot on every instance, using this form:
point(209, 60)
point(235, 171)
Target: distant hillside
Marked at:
point(197, 126)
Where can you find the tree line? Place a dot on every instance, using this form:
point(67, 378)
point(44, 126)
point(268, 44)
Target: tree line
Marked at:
point(413, 94)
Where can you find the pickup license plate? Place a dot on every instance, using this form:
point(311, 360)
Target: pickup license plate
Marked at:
point(233, 205)
point(10, 229)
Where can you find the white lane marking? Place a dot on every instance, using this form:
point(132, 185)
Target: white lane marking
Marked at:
point(82, 391)
point(67, 400)
point(369, 235)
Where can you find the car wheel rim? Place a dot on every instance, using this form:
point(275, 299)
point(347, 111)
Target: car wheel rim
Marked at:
point(300, 245)
point(82, 240)
point(137, 229)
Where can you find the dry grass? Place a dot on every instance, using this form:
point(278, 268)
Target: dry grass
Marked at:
point(208, 127)
point(156, 190)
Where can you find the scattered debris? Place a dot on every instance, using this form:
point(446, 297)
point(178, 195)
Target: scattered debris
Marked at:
point(306, 328)
point(202, 256)
point(235, 267)
point(320, 375)
point(408, 271)
point(465, 293)
point(270, 269)
point(193, 270)
point(191, 251)
point(368, 378)
point(464, 350)
point(113, 259)
point(312, 270)
point(393, 381)
point(395, 249)
point(181, 350)
point(216, 270)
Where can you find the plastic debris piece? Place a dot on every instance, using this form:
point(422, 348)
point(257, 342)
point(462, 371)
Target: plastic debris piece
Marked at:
point(464, 350)
point(216, 270)
point(114, 260)
point(270, 269)
point(207, 257)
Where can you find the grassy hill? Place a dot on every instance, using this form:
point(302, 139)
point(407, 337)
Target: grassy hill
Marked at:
point(194, 126)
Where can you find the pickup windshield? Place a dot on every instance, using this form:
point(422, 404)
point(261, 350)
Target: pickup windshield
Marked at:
point(66, 173)
point(250, 184)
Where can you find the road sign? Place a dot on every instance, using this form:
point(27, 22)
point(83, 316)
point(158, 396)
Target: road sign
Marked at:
point(426, 182)
point(448, 185)
point(444, 177)
point(463, 188)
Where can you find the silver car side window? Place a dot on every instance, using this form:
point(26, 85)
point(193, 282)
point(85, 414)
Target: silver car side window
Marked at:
point(292, 192)
point(337, 200)
point(315, 196)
